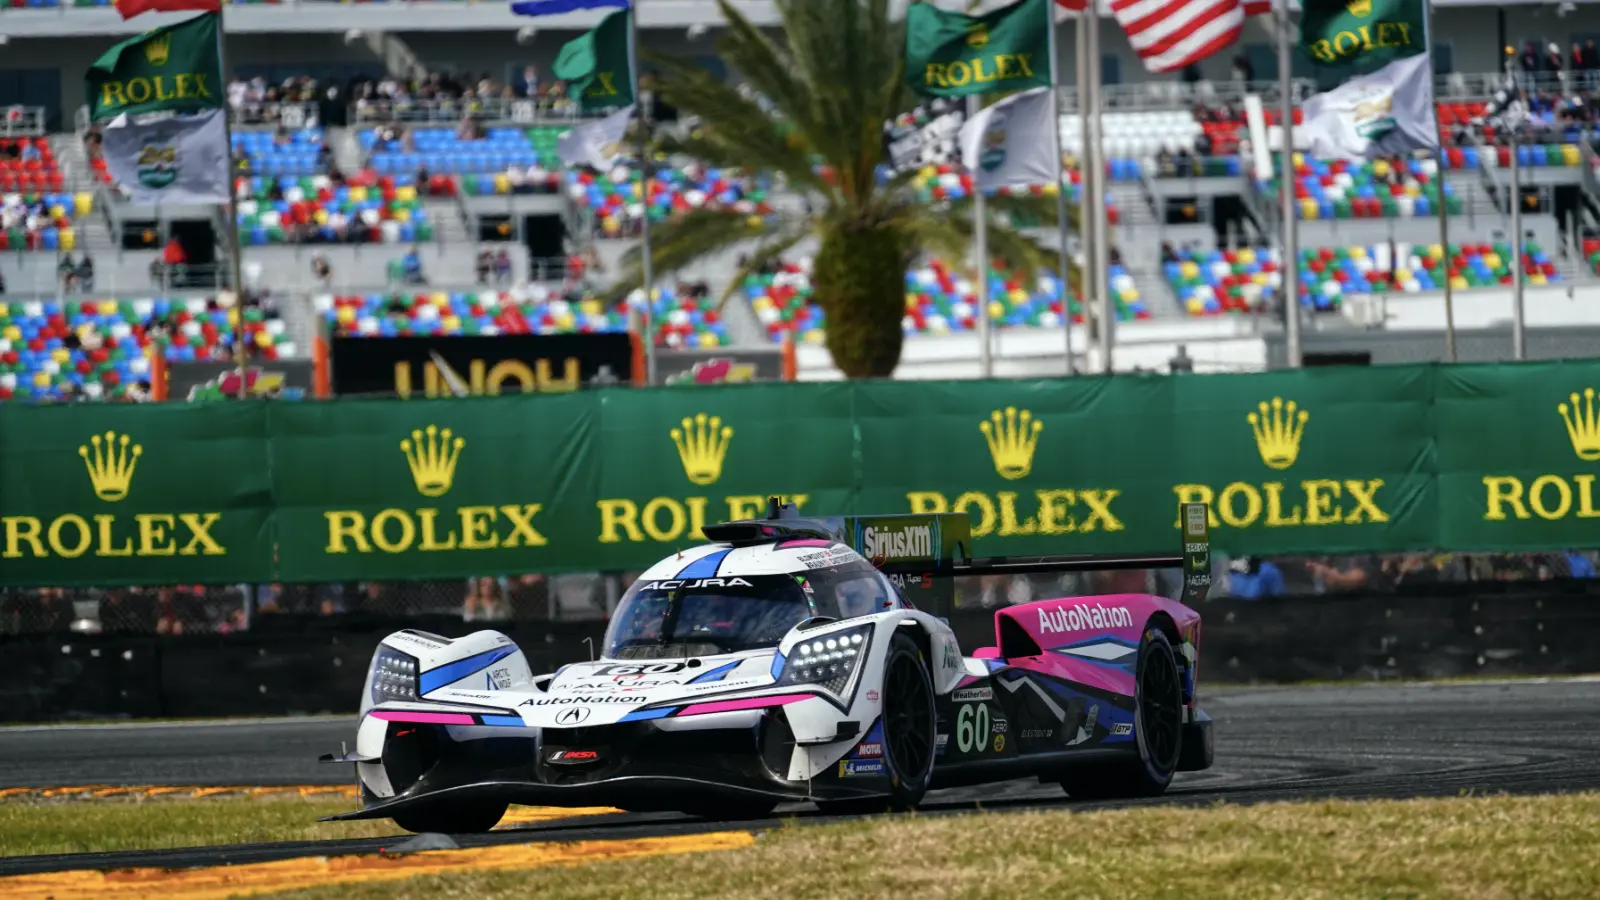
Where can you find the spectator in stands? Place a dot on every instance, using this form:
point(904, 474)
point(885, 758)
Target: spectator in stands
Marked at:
point(86, 273)
point(1591, 65)
point(321, 269)
point(411, 267)
point(485, 265)
point(469, 129)
point(502, 266)
point(67, 271)
point(1580, 565)
point(485, 601)
point(1336, 576)
point(1253, 578)
point(527, 85)
point(1242, 70)
point(529, 597)
point(2, 284)
point(174, 257)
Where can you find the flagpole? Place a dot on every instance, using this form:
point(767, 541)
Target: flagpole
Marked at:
point(1095, 175)
point(1444, 206)
point(1064, 224)
point(1086, 235)
point(241, 336)
point(647, 266)
point(1286, 204)
point(980, 228)
point(1519, 337)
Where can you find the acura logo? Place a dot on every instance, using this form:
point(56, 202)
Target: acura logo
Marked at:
point(572, 715)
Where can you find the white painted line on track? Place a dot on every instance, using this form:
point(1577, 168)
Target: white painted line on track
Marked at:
point(198, 723)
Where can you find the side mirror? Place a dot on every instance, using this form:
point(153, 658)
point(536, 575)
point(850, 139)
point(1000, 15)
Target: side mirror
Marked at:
point(986, 653)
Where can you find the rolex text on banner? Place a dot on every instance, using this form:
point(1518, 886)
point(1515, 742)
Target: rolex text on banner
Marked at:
point(595, 64)
point(175, 68)
point(1380, 50)
point(178, 159)
point(949, 54)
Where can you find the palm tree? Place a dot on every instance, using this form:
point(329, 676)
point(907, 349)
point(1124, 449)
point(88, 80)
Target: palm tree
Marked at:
point(836, 80)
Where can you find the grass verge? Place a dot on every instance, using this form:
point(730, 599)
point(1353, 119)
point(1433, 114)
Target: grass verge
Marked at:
point(31, 829)
point(1470, 848)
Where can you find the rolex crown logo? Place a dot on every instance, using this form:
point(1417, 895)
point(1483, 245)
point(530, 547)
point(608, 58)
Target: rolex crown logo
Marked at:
point(702, 444)
point(1278, 428)
point(1012, 439)
point(157, 49)
point(110, 463)
point(1359, 8)
point(1583, 425)
point(433, 454)
point(978, 36)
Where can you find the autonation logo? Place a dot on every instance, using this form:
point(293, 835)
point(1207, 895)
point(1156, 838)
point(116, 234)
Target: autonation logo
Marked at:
point(582, 699)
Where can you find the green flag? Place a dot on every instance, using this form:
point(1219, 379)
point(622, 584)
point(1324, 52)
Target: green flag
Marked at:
point(595, 66)
point(176, 68)
point(1358, 37)
point(949, 54)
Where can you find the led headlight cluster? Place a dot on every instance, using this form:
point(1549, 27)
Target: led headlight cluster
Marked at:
point(394, 676)
point(828, 660)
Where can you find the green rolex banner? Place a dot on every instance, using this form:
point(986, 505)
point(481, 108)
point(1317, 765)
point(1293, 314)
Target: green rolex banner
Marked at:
point(596, 65)
point(176, 68)
point(949, 54)
point(1379, 50)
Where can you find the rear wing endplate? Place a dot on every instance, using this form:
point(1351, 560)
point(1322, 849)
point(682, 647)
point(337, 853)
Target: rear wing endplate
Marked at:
point(923, 552)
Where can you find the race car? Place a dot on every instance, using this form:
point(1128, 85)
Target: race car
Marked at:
point(796, 659)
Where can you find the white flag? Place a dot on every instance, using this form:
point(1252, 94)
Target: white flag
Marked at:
point(595, 144)
point(179, 159)
point(1386, 113)
point(1010, 143)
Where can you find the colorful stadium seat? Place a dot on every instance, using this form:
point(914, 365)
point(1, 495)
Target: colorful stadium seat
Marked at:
point(1221, 281)
point(384, 209)
point(948, 182)
point(938, 301)
point(100, 346)
point(36, 213)
point(615, 197)
point(693, 323)
point(300, 155)
point(1377, 189)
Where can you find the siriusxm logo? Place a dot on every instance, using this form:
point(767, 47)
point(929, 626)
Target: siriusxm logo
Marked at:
point(1081, 617)
point(900, 543)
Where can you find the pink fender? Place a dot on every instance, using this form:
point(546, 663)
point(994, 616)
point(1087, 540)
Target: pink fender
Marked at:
point(1072, 621)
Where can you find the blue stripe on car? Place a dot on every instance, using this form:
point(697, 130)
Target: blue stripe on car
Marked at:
point(717, 674)
point(504, 721)
point(640, 714)
point(777, 663)
point(450, 673)
point(705, 566)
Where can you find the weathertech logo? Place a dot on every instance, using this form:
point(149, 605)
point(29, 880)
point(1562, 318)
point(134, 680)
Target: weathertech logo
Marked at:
point(902, 543)
point(1082, 617)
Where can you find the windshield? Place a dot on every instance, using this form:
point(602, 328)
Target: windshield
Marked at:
point(701, 617)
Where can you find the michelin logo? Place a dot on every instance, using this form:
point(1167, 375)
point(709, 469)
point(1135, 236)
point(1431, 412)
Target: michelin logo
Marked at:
point(901, 543)
point(1082, 617)
point(849, 767)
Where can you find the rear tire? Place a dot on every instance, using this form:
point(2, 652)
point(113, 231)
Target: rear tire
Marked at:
point(456, 818)
point(909, 738)
point(1157, 730)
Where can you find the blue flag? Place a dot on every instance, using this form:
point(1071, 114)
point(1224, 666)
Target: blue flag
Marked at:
point(557, 7)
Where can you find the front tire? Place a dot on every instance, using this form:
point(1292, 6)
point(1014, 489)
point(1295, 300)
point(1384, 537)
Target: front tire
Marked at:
point(909, 733)
point(1157, 730)
point(474, 817)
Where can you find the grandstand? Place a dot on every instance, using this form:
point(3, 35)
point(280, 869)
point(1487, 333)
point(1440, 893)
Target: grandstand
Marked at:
point(404, 187)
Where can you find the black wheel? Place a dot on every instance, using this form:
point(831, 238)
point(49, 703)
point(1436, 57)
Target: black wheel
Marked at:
point(1157, 731)
point(730, 811)
point(474, 817)
point(909, 733)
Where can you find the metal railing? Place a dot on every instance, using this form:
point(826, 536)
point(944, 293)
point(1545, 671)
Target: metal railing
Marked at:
point(21, 121)
point(516, 111)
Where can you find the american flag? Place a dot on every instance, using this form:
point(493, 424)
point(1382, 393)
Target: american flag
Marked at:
point(1170, 34)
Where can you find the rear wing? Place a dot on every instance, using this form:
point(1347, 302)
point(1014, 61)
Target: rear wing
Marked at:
point(924, 552)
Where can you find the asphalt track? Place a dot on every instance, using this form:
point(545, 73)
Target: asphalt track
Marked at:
point(1295, 743)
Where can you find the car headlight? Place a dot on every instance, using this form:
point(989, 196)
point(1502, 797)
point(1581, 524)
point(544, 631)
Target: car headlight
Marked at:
point(828, 660)
point(394, 675)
